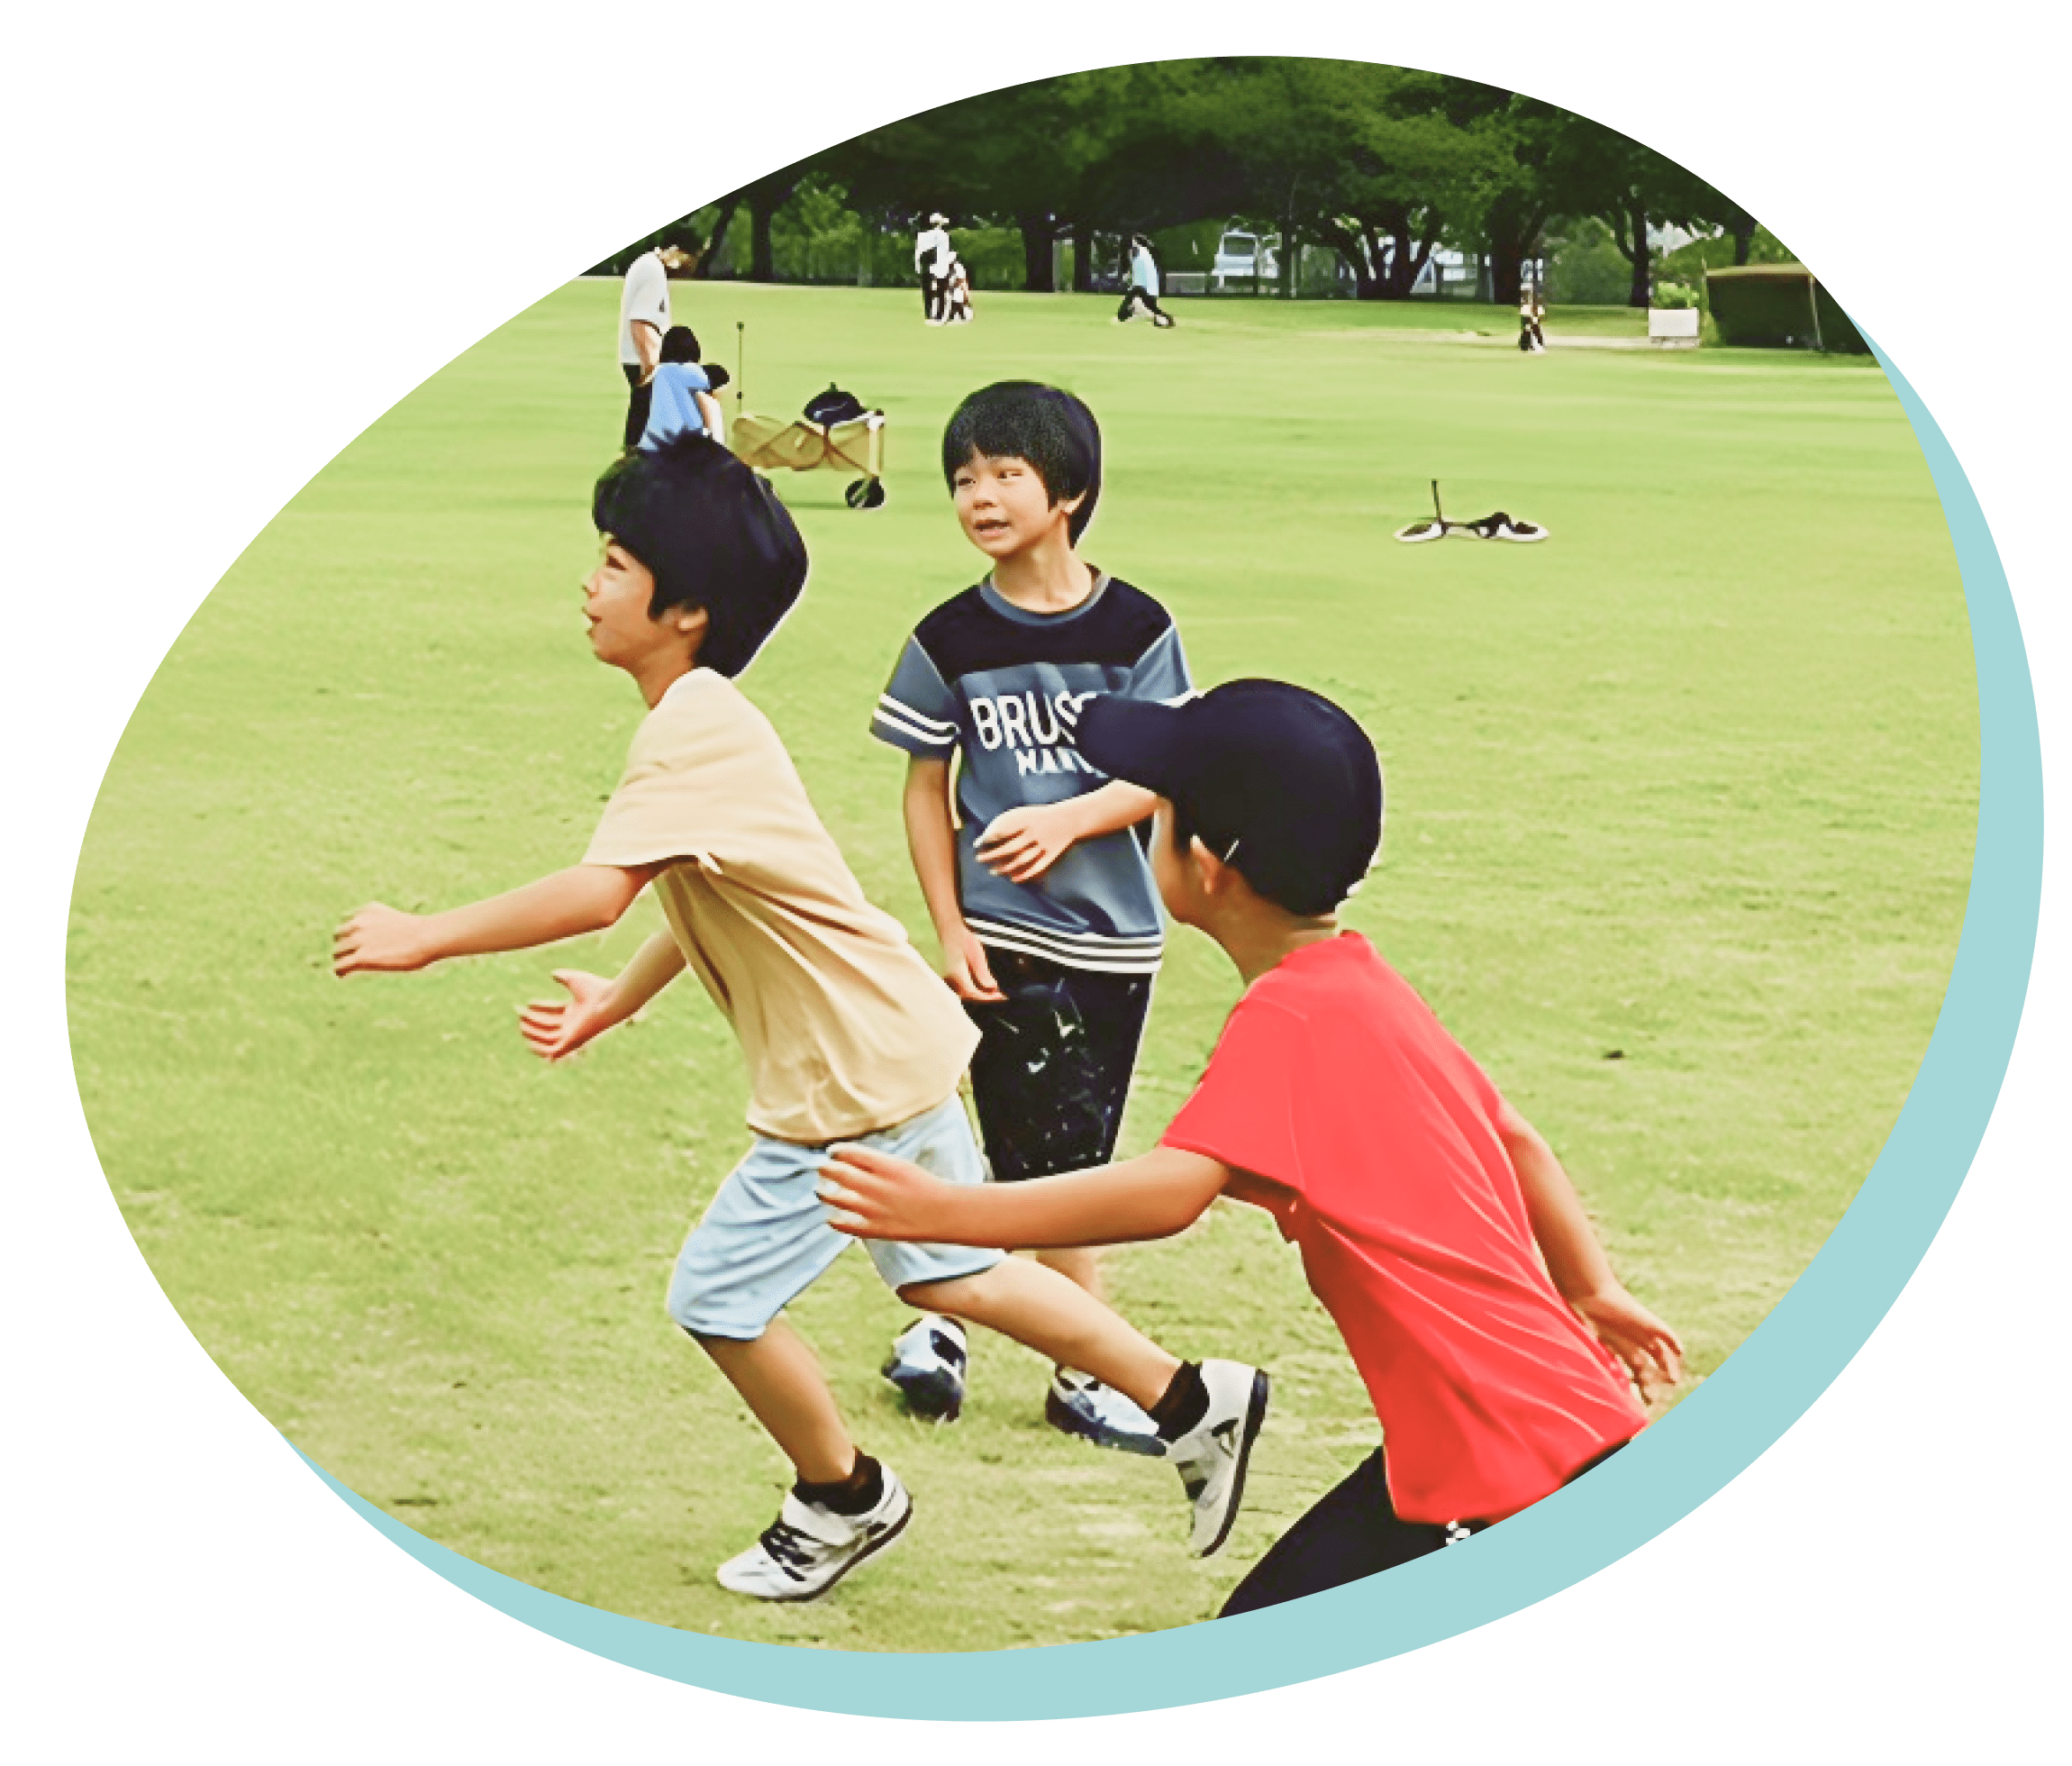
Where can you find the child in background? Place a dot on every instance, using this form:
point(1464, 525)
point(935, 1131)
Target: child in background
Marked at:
point(957, 296)
point(845, 1032)
point(1038, 886)
point(681, 399)
point(1435, 1225)
point(1532, 321)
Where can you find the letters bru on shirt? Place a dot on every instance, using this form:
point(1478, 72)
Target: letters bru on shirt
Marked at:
point(1037, 728)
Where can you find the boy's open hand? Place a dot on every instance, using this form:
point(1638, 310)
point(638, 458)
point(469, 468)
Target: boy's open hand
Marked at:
point(873, 1196)
point(379, 937)
point(1022, 844)
point(557, 1028)
point(965, 968)
point(1645, 1345)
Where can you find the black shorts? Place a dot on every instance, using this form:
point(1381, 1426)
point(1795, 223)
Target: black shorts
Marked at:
point(1052, 1069)
point(1353, 1533)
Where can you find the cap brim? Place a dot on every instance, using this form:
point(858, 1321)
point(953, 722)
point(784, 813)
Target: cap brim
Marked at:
point(1136, 740)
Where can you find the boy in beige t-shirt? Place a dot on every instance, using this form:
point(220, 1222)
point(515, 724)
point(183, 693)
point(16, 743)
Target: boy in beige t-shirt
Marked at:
point(848, 1034)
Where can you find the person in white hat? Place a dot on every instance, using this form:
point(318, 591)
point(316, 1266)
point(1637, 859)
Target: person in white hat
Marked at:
point(934, 258)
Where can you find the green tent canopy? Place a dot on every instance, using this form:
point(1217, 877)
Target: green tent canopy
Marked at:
point(1778, 305)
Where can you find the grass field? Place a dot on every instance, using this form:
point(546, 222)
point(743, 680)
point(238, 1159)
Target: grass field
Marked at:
point(1679, 829)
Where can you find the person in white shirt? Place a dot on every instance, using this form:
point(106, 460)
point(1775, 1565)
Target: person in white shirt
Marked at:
point(643, 317)
point(933, 258)
point(1144, 290)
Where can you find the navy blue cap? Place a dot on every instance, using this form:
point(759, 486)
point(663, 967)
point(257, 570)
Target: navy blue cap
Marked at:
point(1274, 780)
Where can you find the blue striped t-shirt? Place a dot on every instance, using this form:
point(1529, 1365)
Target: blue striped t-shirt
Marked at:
point(1000, 689)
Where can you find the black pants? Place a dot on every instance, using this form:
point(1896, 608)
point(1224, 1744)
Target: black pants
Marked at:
point(1150, 302)
point(1353, 1533)
point(640, 397)
point(1051, 1072)
point(933, 288)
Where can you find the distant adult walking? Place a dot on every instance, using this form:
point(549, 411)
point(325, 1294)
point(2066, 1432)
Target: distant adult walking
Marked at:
point(935, 259)
point(643, 317)
point(1143, 290)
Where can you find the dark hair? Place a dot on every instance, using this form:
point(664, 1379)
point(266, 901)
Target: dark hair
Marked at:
point(679, 344)
point(1054, 432)
point(712, 534)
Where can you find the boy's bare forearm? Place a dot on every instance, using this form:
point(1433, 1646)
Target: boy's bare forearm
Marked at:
point(655, 965)
point(583, 899)
point(1117, 806)
point(1574, 1259)
point(932, 841)
point(1152, 1196)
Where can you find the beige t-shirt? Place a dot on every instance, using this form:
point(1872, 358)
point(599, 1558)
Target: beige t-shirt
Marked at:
point(845, 1028)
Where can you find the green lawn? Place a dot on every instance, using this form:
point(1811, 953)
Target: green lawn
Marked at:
point(1680, 821)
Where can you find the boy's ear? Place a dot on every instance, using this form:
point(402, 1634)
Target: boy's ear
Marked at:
point(689, 621)
point(1214, 873)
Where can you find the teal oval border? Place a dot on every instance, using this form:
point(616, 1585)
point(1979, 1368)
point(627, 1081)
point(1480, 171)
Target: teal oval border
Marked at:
point(1707, 1441)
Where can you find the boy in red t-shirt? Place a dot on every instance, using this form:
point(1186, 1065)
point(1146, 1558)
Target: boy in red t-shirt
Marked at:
point(1435, 1225)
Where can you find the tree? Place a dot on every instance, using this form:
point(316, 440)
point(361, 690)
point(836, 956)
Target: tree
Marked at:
point(1347, 153)
point(995, 155)
point(1530, 147)
point(1629, 186)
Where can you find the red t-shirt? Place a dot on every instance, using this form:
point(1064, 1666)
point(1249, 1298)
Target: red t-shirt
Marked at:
point(1346, 1111)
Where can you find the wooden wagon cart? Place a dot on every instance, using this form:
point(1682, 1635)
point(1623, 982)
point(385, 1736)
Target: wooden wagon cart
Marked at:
point(854, 448)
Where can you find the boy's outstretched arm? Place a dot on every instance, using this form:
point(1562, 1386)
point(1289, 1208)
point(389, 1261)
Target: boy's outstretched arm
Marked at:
point(583, 899)
point(873, 1196)
point(1022, 844)
point(557, 1028)
point(1577, 1263)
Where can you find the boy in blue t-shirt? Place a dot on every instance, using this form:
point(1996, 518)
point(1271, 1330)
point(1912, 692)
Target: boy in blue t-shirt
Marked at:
point(681, 399)
point(1039, 887)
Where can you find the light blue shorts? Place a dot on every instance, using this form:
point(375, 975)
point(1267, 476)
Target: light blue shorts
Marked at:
point(766, 1238)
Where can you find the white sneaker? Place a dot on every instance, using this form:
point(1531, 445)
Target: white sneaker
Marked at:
point(1079, 1405)
point(1210, 1457)
point(808, 1549)
point(927, 1365)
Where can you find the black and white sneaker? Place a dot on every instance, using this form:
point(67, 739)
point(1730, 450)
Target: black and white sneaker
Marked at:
point(1079, 1405)
point(927, 1365)
point(1211, 1456)
point(808, 1549)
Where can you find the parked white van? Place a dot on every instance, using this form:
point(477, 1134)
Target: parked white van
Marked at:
point(1245, 257)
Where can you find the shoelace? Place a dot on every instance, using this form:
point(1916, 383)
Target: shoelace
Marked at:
point(789, 1548)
